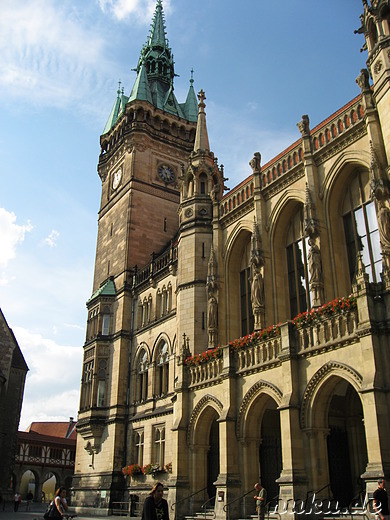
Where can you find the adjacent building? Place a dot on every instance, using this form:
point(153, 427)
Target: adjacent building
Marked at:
point(241, 335)
point(13, 371)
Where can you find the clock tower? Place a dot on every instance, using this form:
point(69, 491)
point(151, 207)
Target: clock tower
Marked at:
point(147, 139)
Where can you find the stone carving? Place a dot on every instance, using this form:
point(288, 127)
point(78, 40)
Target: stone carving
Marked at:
point(314, 259)
point(363, 80)
point(212, 303)
point(255, 162)
point(304, 126)
point(257, 288)
point(257, 280)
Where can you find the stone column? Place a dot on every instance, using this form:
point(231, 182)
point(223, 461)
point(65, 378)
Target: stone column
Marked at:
point(293, 480)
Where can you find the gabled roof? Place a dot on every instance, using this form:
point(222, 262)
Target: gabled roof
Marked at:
point(63, 430)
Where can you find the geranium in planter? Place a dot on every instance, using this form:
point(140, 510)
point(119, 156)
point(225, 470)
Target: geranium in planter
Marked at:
point(150, 469)
point(132, 470)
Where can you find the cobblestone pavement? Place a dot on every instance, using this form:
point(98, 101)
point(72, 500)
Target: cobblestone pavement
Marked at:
point(35, 513)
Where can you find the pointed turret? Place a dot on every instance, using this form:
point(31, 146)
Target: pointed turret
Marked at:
point(201, 138)
point(190, 107)
point(155, 70)
point(117, 109)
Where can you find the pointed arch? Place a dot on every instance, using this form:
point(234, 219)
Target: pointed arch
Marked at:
point(260, 387)
point(206, 401)
point(318, 382)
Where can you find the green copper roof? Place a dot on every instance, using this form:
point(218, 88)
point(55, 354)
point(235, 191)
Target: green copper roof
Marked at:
point(107, 289)
point(190, 107)
point(155, 73)
point(117, 110)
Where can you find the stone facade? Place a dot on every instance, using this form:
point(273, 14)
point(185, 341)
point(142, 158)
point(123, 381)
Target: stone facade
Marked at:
point(212, 352)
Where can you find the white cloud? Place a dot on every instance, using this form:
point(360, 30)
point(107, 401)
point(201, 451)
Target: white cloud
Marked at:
point(46, 52)
point(51, 240)
point(141, 10)
point(11, 234)
point(52, 387)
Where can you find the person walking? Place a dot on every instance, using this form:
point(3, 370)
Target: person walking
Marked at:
point(155, 506)
point(261, 500)
point(381, 504)
point(17, 500)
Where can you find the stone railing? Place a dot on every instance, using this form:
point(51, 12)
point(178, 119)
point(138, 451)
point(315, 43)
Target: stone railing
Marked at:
point(262, 353)
point(205, 372)
point(156, 265)
point(327, 332)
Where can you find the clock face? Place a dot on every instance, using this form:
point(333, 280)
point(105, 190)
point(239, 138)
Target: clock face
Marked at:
point(117, 179)
point(165, 173)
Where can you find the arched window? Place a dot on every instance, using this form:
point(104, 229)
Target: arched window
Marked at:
point(247, 320)
point(162, 369)
point(361, 228)
point(203, 184)
point(298, 279)
point(142, 386)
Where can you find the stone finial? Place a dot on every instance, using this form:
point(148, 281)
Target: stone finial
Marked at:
point(304, 126)
point(255, 162)
point(311, 222)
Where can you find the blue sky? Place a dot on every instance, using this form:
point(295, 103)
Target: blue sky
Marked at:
point(262, 64)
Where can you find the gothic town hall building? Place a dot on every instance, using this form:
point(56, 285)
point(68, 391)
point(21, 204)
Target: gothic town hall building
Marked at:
point(238, 335)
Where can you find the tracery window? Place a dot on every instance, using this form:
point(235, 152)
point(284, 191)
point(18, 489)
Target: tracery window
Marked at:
point(162, 369)
point(297, 249)
point(101, 390)
point(159, 445)
point(87, 384)
point(247, 319)
point(361, 229)
point(139, 447)
point(143, 367)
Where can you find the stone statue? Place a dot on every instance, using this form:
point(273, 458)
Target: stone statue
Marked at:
point(255, 162)
point(257, 288)
point(384, 220)
point(212, 314)
point(314, 259)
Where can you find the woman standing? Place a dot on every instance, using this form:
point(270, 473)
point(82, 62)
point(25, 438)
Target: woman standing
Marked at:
point(155, 506)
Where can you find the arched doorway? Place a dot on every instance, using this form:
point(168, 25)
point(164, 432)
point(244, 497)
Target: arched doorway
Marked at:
point(261, 436)
point(333, 419)
point(204, 459)
point(346, 443)
point(28, 483)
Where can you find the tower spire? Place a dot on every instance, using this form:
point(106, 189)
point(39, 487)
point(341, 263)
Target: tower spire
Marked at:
point(201, 137)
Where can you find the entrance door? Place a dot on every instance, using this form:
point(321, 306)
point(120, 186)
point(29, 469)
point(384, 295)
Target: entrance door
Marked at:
point(213, 459)
point(270, 452)
point(346, 443)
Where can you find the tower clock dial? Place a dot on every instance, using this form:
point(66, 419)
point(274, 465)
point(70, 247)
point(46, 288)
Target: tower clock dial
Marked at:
point(165, 173)
point(116, 179)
